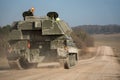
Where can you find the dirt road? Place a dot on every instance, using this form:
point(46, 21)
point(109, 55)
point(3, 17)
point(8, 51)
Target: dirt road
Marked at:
point(103, 66)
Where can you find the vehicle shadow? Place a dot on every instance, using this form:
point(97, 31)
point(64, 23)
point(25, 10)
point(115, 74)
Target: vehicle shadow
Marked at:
point(4, 68)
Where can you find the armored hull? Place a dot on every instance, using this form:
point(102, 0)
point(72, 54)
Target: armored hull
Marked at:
point(38, 40)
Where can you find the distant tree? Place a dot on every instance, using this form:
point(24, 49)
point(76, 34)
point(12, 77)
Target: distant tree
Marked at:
point(84, 38)
point(78, 41)
point(100, 29)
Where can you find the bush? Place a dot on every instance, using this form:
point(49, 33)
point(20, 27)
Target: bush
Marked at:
point(80, 36)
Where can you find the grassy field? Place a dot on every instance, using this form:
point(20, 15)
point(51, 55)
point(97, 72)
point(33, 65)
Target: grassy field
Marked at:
point(112, 40)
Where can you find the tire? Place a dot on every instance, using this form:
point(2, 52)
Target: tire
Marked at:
point(23, 63)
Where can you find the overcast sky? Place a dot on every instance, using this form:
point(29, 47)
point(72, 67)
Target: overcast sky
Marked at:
point(74, 12)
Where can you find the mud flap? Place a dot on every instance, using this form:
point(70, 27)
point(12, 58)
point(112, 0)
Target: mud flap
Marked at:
point(70, 61)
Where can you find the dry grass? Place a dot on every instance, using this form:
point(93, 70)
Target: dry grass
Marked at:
point(112, 40)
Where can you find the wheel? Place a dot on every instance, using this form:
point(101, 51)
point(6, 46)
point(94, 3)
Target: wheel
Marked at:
point(23, 63)
point(20, 63)
point(70, 61)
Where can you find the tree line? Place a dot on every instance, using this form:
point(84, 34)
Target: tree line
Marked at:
point(99, 29)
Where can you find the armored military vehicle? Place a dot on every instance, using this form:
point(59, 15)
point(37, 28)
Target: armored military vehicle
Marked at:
point(41, 40)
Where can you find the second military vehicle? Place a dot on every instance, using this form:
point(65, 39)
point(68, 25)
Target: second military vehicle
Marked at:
point(41, 40)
